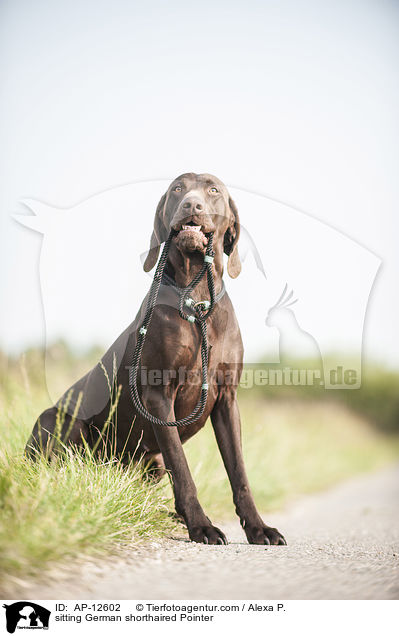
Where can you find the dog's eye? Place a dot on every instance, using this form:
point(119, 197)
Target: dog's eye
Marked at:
point(214, 190)
point(177, 189)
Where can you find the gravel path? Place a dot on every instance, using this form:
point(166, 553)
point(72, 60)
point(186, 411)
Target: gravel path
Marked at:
point(342, 544)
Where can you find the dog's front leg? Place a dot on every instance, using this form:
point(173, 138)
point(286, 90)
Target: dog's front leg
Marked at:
point(187, 505)
point(227, 426)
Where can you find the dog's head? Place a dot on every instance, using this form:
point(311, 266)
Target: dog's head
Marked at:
point(195, 205)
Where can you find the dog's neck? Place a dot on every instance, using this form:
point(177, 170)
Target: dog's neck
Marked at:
point(183, 268)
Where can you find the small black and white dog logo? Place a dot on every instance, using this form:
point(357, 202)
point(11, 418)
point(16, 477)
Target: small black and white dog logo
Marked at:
point(26, 615)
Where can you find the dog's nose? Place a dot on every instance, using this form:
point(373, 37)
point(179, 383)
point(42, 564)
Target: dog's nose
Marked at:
point(192, 209)
point(193, 205)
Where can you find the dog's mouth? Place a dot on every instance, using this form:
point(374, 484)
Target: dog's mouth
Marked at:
point(195, 230)
point(191, 237)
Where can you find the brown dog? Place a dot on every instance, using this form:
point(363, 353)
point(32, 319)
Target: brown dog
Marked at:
point(194, 205)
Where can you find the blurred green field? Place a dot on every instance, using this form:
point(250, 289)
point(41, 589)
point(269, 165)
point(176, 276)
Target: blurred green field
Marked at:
point(290, 449)
point(377, 399)
point(295, 441)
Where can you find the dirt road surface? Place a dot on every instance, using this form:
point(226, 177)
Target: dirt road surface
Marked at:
point(342, 544)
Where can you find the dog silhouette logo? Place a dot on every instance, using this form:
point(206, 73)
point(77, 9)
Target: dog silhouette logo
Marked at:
point(98, 245)
point(26, 615)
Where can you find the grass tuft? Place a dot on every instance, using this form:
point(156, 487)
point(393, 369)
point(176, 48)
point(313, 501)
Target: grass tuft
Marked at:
point(76, 504)
point(73, 505)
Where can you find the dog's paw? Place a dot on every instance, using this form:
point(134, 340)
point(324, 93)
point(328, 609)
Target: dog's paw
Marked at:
point(207, 534)
point(262, 534)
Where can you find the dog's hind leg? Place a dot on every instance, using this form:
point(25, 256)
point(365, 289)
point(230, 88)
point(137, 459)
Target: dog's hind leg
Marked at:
point(49, 433)
point(155, 467)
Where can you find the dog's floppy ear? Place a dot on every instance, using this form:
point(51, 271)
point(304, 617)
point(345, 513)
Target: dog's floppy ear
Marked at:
point(158, 236)
point(230, 242)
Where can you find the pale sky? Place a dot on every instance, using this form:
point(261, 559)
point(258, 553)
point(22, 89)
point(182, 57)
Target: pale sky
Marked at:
point(296, 100)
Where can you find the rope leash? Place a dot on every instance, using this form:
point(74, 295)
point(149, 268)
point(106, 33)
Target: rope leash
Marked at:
point(202, 311)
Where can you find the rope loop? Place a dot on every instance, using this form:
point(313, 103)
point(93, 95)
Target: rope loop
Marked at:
point(199, 317)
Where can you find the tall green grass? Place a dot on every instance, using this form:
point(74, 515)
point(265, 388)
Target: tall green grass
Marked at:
point(77, 504)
